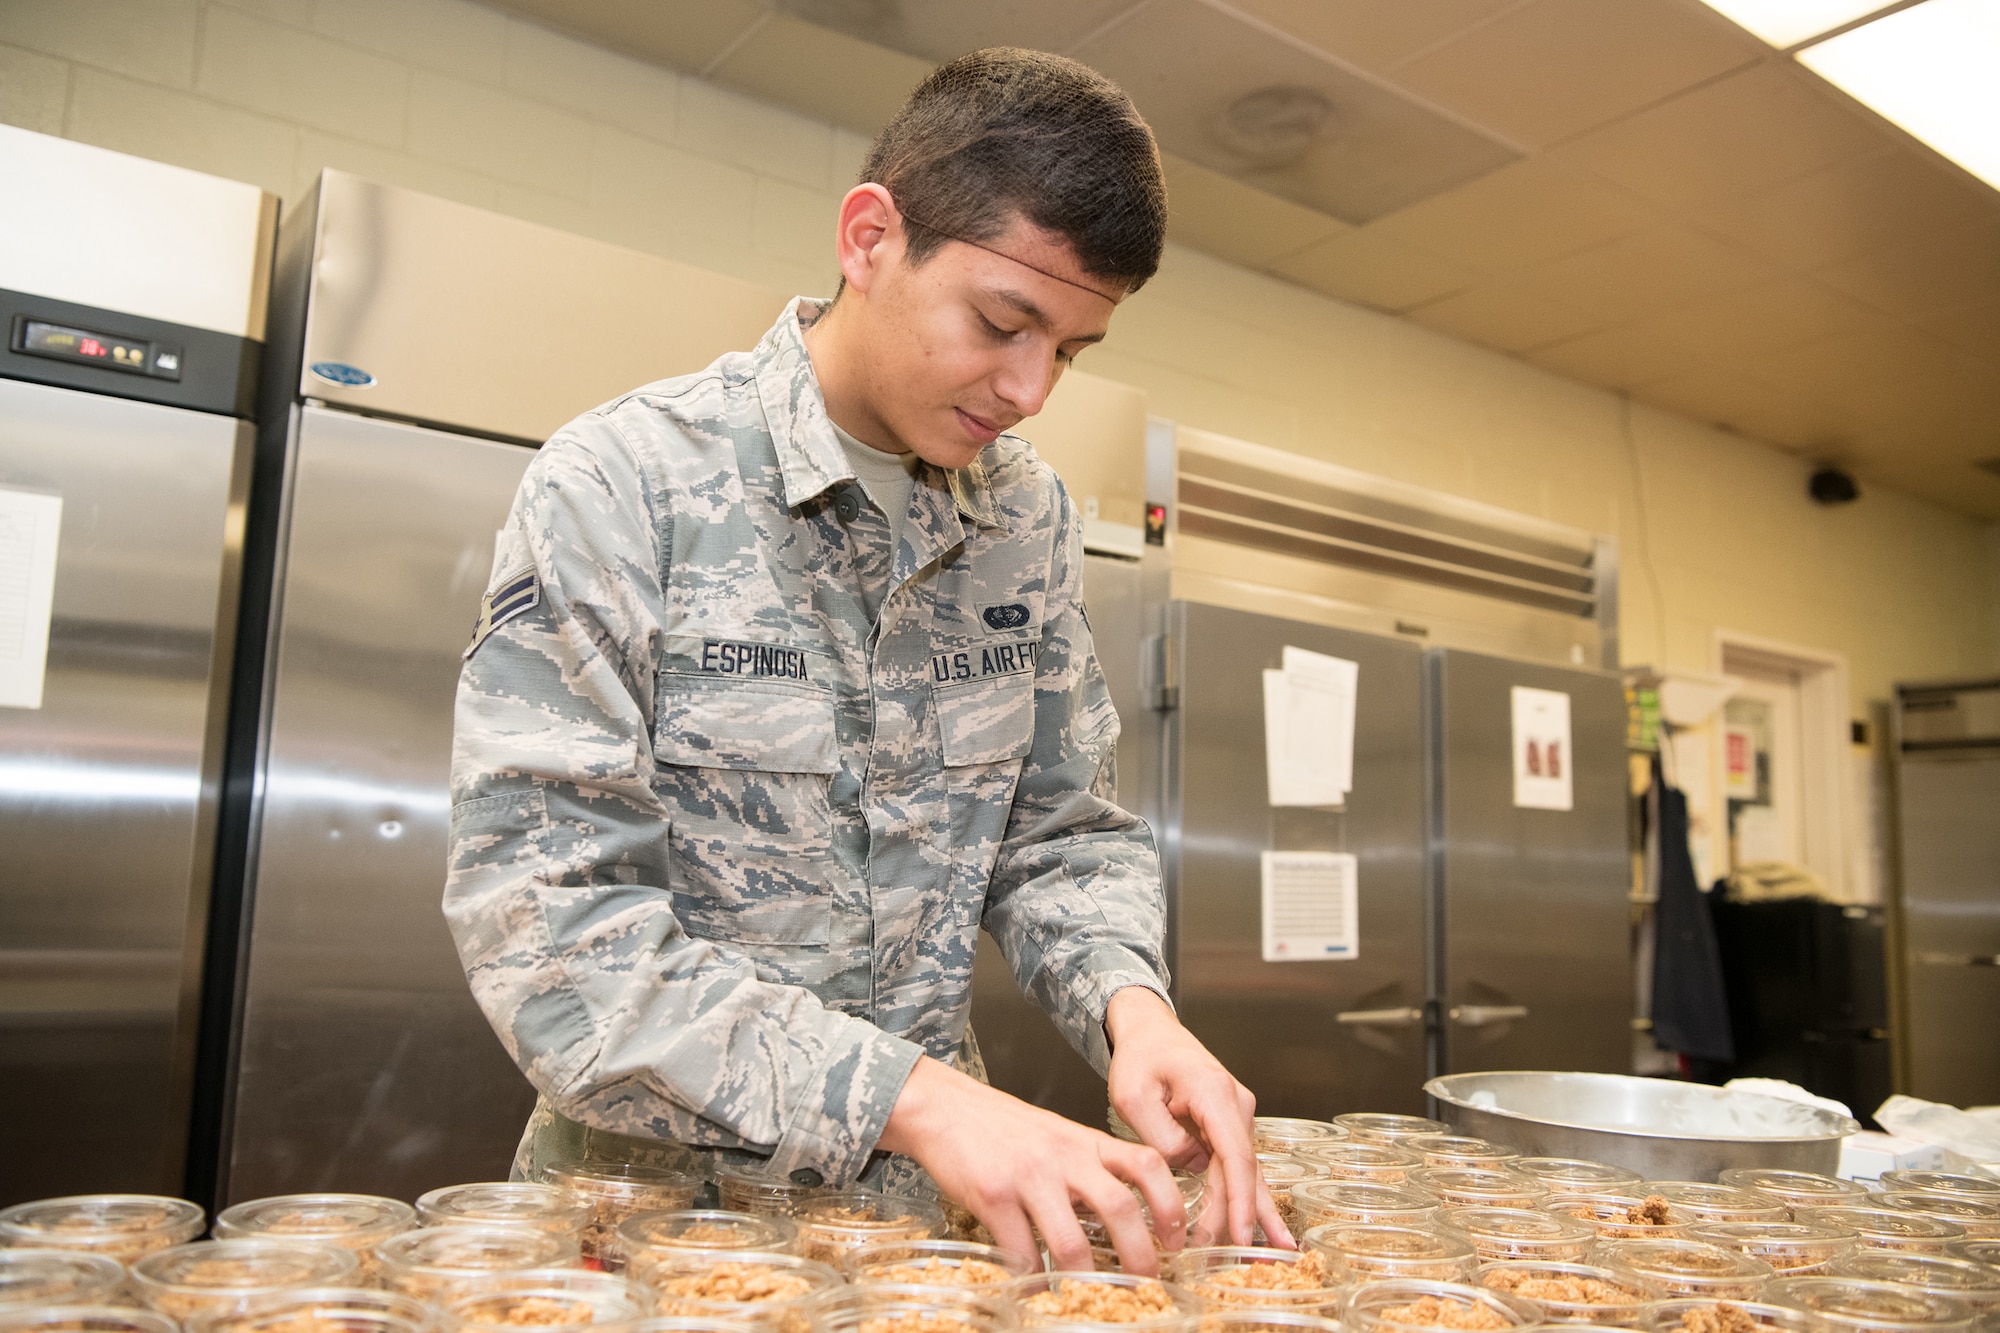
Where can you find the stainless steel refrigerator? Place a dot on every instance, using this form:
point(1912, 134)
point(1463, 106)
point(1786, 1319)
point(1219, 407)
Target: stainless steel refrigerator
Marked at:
point(132, 301)
point(1945, 918)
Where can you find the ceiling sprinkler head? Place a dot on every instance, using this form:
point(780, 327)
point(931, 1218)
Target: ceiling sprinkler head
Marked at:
point(1273, 127)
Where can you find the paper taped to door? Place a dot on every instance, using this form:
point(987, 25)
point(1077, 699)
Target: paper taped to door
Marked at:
point(1309, 902)
point(30, 523)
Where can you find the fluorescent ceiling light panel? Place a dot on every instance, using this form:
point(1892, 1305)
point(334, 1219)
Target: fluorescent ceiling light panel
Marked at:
point(1931, 69)
point(1785, 23)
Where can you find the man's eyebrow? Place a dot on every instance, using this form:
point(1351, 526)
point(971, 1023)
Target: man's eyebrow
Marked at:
point(1007, 296)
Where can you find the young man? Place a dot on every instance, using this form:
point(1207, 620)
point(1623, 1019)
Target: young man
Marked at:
point(785, 690)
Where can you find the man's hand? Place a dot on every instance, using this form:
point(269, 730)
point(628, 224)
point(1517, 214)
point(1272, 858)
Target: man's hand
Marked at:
point(1180, 1099)
point(1021, 1169)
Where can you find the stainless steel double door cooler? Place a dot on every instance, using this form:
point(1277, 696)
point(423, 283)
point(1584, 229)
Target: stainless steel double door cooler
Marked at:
point(1490, 936)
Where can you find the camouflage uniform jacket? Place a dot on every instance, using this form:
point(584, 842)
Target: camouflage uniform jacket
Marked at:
point(722, 842)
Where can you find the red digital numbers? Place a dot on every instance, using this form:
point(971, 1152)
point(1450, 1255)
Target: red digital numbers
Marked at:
point(92, 347)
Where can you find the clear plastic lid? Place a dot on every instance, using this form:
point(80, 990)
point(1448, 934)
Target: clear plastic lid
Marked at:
point(763, 1285)
point(431, 1263)
point(1363, 1253)
point(1095, 1300)
point(750, 1189)
point(1377, 1162)
point(1317, 1202)
point(1476, 1187)
point(1689, 1268)
point(1980, 1218)
point(545, 1298)
point(124, 1226)
point(82, 1319)
point(1840, 1304)
point(1397, 1303)
point(58, 1277)
point(325, 1310)
point(1941, 1182)
point(1698, 1315)
point(504, 1203)
point(684, 1324)
point(1383, 1127)
point(1524, 1233)
point(1886, 1228)
point(832, 1224)
point(1226, 1275)
point(1622, 1216)
point(1968, 1281)
point(961, 1264)
point(896, 1308)
point(216, 1275)
point(1794, 1249)
point(1265, 1319)
point(1573, 1293)
point(1459, 1150)
point(643, 1239)
point(351, 1221)
point(1573, 1175)
point(1283, 1133)
point(1797, 1189)
point(615, 1191)
point(1717, 1203)
point(1980, 1251)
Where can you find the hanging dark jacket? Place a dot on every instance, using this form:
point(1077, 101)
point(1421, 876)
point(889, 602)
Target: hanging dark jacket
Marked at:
point(1690, 1005)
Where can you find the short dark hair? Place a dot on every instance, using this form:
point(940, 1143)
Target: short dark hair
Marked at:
point(1006, 132)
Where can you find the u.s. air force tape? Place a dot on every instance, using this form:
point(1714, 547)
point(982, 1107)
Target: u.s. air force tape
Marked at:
point(513, 595)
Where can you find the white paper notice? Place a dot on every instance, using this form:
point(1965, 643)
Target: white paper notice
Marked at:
point(1542, 756)
point(1309, 907)
point(29, 524)
point(1309, 729)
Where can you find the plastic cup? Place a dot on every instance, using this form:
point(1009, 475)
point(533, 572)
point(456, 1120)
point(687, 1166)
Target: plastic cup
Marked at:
point(1616, 1216)
point(1459, 1150)
point(210, 1276)
point(1498, 1234)
point(1318, 1202)
point(1979, 1218)
point(1193, 1191)
point(764, 1286)
point(750, 1189)
point(1978, 1251)
point(508, 1203)
point(1265, 1319)
point(545, 1298)
point(1705, 1316)
point(1856, 1305)
point(1689, 1268)
point(957, 1264)
point(1573, 1175)
point(1411, 1303)
point(326, 1310)
point(1797, 1189)
point(1282, 1133)
point(1233, 1275)
point(1886, 1228)
point(82, 1319)
point(1941, 1182)
point(1103, 1300)
point(431, 1263)
point(896, 1308)
point(834, 1224)
point(1376, 1163)
point(357, 1222)
point(1793, 1249)
point(1476, 1187)
point(1281, 1176)
point(125, 1227)
point(1573, 1293)
point(614, 1191)
point(1382, 1127)
point(58, 1277)
point(1366, 1253)
point(1939, 1274)
point(642, 1240)
point(1717, 1203)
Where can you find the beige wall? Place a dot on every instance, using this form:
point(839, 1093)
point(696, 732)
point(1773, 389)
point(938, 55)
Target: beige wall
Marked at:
point(459, 100)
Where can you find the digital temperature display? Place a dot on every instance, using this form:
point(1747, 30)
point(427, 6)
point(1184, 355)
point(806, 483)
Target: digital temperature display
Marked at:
point(64, 343)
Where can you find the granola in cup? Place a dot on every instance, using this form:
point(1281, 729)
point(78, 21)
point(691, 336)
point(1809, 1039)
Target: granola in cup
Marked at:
point(1459, 1150)
point(432, 1263)
point(545, 1298)
point(1265, 1319)
point(214, 1276)
point(1376, 1163)
point(1524, 1233)
point(1229, 1275)
point(125, 1227)
point(326, 1310)
point(764, 1286)
point(1283, 1133)
point(1982, 1188)
point(1193, 1189)
point(504, 1203)
point(1383, 1127)
point(1281, 1174)
point(1796, 1189)
point(1411, 1303)
point(1319, 1202)
point(1978, 1218)
point(82, 1319)
point(1101, 1299)
point(889, 1307)
point(1573, 1293)
point(1684, 1267)
point(839, 1221)
point(642, 1240)
point(357, 1222)
point(751, 1188)
point(1574, 1175)
point(1941, 1275)
point(1858, 1305)
point(1476, 1187)
point(1365, 1253)
point(1700, 1315)
point(58, 1277)
point(1794, 1249)
point(614, 1191)
point(1718, 1203)
point(963, 1265)
point(1886, 1228)
point(1622, 1216)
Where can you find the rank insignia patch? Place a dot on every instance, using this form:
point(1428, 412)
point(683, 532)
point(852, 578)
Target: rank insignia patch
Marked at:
point(1003, 616)
point(516, 593)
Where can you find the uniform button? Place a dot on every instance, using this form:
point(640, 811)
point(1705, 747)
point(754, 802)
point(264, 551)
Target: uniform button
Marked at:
point(807, 1178)
point(848, 505)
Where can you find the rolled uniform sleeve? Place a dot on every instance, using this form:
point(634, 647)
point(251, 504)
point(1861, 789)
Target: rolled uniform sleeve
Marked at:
point(1076, 903)
point(558, 891)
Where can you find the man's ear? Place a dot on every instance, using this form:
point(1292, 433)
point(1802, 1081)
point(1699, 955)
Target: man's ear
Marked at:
point(869, 233)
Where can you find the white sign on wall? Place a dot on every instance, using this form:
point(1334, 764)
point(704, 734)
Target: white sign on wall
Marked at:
point(29, 525)
point(1309, 905)
point(1543, 759)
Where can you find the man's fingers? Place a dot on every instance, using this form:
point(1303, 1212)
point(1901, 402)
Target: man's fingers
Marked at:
point(1010, 1227)
point(1275, 1231)
point(1158, 1129)
point(1123, 1220)
point(1055, 1217)
point(1144, 1169)
point(1223, 1121)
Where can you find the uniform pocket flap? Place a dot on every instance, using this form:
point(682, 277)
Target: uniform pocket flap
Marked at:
point(986, 721)
point(758, 726)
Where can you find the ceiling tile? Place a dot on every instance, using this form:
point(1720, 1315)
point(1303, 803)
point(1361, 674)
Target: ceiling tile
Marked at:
point(1723, 396)
point(1522, 215)
point(1768, 317)
point(686, 34)
point(1506, 315)
point(1641, 275)
point(829, 74)
point(1884, 377)
point(1736, 136)
point(1554, 68)
point(1234, 221)
point(1932, 269)
point(1620, 358)
point(1186, 64)
point(1375, 270)
point(1974, 329)
point(941, 30)
point(1371, 35)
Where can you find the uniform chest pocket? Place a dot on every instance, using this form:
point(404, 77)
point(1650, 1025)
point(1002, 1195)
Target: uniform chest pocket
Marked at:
point(743, 771)
point(986, 721)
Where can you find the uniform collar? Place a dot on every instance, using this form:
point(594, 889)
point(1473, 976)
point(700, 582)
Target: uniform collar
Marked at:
point(810, 459)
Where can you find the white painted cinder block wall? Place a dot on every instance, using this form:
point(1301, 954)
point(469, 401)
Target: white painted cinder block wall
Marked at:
point(463, 101)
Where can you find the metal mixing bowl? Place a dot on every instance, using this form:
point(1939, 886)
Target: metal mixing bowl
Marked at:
point(1662, 1129)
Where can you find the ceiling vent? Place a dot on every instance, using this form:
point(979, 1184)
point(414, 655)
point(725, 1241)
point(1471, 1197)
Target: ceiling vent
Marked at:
point(1273, 127)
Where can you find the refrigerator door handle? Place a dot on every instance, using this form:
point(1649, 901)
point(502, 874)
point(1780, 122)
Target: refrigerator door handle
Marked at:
point(1960, 959)
point(1479, 1015)
point(1389, 1018)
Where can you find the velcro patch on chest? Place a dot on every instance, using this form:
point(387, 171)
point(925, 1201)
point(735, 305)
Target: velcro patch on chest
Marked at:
point(1004, 617)
point(997, 659)
point(515, 595)
point(763, 661)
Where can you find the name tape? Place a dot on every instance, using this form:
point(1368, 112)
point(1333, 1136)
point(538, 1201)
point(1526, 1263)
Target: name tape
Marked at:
point(723, 657)
point(1002, 659)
